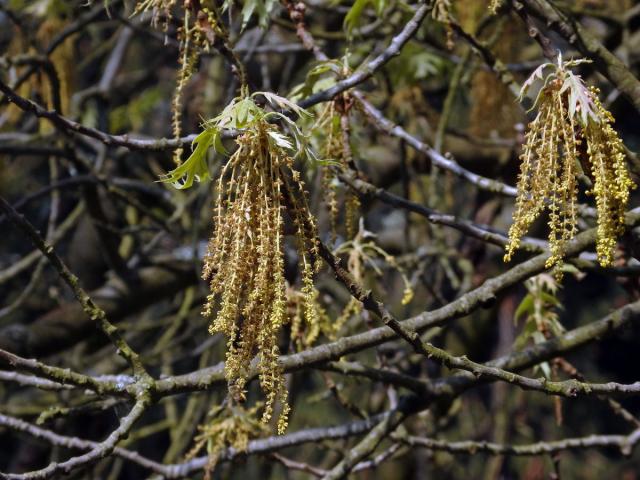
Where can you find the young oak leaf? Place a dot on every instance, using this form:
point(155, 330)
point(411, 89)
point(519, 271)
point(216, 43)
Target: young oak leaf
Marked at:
point(284, 103)
point(281, 140)
point(580, 99)
point(353, 16)
point(240, 114)
point(195, 167)
point(536, 75)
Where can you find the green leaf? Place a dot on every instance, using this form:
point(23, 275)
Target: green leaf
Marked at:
point(242, 113)
point(315, 82)
point(414, 64)
point(326, 162)
point(538, 337)
point(527, 332)
point(550, 299)
point(572, 269)
point(226, 118)
point(580, 100)
point(525, 307)
point(546, 369)
point(281, 140)
point(217, 144)
point(556, 327)
point(283, 103)
point(537, 74)
point(352, 18)
point(262, 8)
point(238, 114)
point(195, 167)
point(247, 10)
point(302, 141)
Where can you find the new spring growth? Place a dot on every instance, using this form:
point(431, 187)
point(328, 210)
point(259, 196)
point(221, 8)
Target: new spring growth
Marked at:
point(363, 253)
point(244, 263)
point(226, 426)
point(196, 35)
point(494, 5)
point(571, 130)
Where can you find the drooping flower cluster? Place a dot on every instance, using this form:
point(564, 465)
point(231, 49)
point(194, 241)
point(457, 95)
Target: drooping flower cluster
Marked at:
point(244, 263)
point(226, 426)
point(362, 254)
point(611, 184)
point(441, 12)
point(332, 136)
point(309, 319)
point(337, 150)
point(199, 27)
point(571, 129)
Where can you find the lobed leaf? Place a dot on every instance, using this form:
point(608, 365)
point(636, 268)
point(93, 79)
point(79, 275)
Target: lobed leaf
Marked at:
point(195, 167)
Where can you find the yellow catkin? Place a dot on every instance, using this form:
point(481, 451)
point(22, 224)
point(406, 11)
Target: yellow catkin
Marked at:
point(361, 252)
point(611, 181)
point(441, 12)
point(336, 151)
point(309, 319)
point(244, 263)
point(549, 170)
point(494, 5)
point(193, 41)
point(229, 426)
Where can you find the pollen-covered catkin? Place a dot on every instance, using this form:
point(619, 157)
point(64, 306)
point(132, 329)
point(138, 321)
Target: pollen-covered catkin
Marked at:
point(256, 190)
point(245, 261)
point(571, 124)
point(611, 181)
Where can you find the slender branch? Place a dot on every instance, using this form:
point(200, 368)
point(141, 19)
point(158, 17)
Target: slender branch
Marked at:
point(567, 388)
point(99, 451)
point(494, 63)
point(378, 459)
point(382, 375)
point(31, 381)
point(62, 376)
point(625, 443)
point(71, 126)
point(366, 446)
point(94, 312)
point(605, 61)
point(78, 444)
point(481, 232)
point(369, 69)
point(436, 157)
point(25, 262)
point(299, 466)
point(296, 13)
point(533, 355)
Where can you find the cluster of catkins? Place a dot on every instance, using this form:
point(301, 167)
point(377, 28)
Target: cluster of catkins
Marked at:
point(245, 260)
point(571, 135)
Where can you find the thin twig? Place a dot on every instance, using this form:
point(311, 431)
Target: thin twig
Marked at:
point(94, 312)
